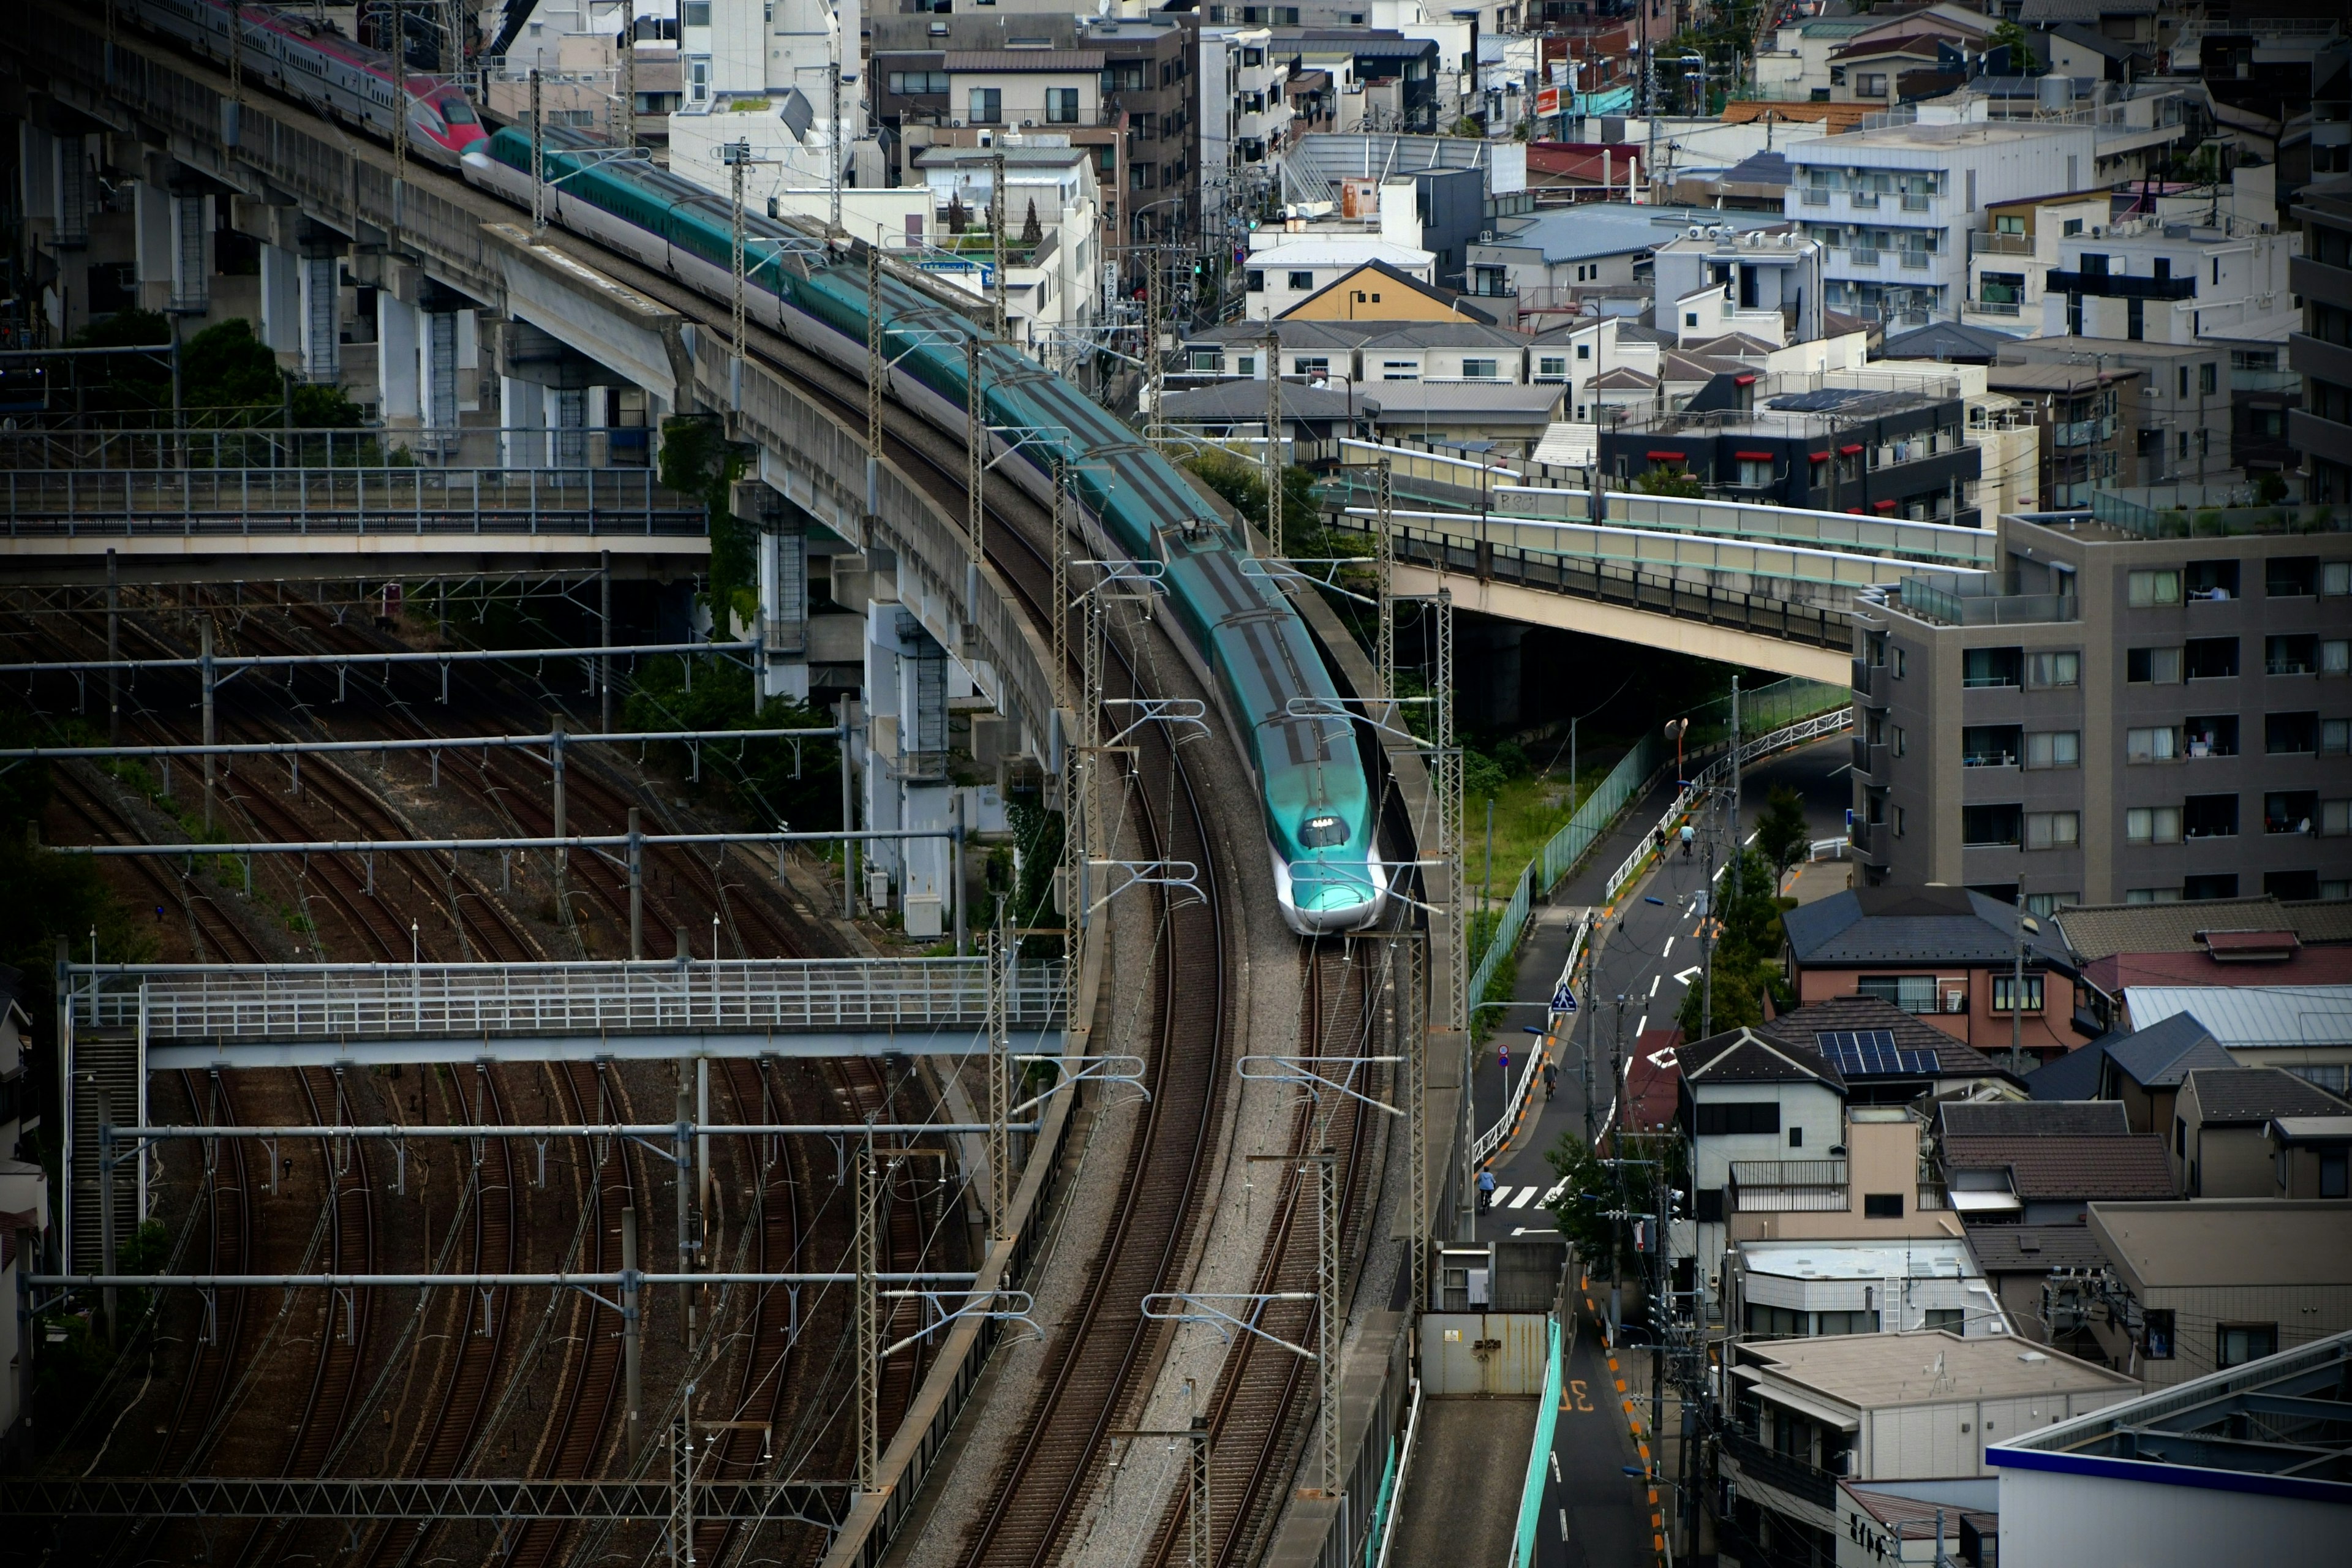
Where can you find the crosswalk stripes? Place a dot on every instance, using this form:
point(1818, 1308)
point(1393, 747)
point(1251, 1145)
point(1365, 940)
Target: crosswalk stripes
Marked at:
point(1516, 1197)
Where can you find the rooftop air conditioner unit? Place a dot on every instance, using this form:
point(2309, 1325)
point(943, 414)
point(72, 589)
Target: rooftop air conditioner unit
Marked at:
point(1696, 232)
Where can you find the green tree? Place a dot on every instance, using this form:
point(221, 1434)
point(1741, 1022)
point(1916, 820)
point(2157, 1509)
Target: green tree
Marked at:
point(1593, 1199)
point(1747, 953)
point(1670, 479)
point(698, 459)
point(2022, 54)
point(1781, 836)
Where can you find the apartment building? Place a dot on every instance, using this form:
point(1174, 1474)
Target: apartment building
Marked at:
point(1833, 442)
point(2320, 430)
point(2122, 713)
point(1894, 207)
point(2144, 280)
point(741, 62)
point(2084, 416)
point(2202, 1285)
point(2016, 250)
point(1123, 88)
point(2181, 414)
point(1712, 279)
point(1866, 1410)
point(1896, 204)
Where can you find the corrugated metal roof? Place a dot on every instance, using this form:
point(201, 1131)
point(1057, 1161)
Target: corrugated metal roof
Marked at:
point(2244, 1016)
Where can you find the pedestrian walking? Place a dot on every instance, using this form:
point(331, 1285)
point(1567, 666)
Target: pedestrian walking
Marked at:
point(1552, 1078)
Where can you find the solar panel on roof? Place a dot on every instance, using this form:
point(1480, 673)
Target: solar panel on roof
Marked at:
point(1865, 1052)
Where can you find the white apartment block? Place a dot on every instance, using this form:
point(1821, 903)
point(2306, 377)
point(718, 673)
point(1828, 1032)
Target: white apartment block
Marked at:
point(1284, 269)
point(2143, 280)
point(1894, 207)
point(2016, 250)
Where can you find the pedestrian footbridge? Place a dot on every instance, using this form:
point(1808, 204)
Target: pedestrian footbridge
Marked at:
point(200, 1016)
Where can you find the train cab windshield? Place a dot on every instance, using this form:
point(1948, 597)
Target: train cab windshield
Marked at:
point(456, 111)
point(1322, 832)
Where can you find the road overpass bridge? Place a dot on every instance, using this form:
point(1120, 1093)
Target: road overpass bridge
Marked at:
point(1764, 587)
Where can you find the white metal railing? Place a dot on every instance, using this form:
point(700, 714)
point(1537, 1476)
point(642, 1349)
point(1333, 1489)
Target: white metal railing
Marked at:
point(1492, 1139)
point(1828, 848)
point(439, 1000)
point(1795, 734)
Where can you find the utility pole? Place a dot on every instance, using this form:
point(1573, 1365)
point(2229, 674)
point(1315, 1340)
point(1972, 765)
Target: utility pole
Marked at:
point(1709, 924)
point(627, 51)
point(1273, 441)
point(1154, 377)
point(538, 165)
point(113, 650)
point(633, 1327)
point(205, 658)
point(877, 376)
point(400, 108)
point(1736, 867)
point(1384, 570)
point(975, 473)
point(832, 128)
point(1000, 1087)
point(996, 198)
point(2017, 985)
point(737, 155)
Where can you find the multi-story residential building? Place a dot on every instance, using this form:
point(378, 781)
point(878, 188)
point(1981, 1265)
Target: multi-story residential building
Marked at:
point(1250, 121)
point(1053, 284)
point(1745, 1099)
point(1395, 75)
point(1125, 90)
point(1838, 441)
point(1896, 204)
point(2122, 713)
point(1948, 956)
point(2320, 430)
point(1862, 1411)
point(2203, 1284)
point(2086, 414)
point(2180, 412)
point(2009, 257)
point(2172, 283)
point(1766, 282)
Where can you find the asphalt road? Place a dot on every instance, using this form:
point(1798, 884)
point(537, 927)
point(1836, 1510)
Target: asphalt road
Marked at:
point(1593, 1512)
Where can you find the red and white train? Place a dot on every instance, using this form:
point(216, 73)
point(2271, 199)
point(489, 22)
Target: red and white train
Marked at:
point(344, 80)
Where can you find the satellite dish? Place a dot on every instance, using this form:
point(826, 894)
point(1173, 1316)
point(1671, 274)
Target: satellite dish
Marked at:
point(796, 114)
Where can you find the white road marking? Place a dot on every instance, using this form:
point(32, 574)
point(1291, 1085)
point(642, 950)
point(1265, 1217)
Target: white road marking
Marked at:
point(1686, 976)
point(1521, 1201)
point(1669, 952)
point(1555, 1474)
point(1563, 1526)
point(1643, 1027)
point(1653, 988)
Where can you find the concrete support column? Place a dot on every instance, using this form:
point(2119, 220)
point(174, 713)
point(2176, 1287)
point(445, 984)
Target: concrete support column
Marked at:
point(522, 419)
point(322, 351)
point(783, 604)
point(282, 298)
point(75, 183)
point(599, 449)
point(397, 360)
point(151, 251)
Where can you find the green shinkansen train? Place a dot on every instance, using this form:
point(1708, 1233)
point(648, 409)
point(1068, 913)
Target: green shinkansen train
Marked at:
point(1315, 794)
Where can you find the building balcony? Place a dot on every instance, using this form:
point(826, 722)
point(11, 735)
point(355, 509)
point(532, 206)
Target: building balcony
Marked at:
point(1983, 243)
point(1799, 1479)
point(1789, 1187)
point(2314, 279)
point(2119, 285)
point(1870, 761)
point(1812, 198)
point(1918, 260)
point(2007, 309)
point(1862, 670)
point(2083, 432)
